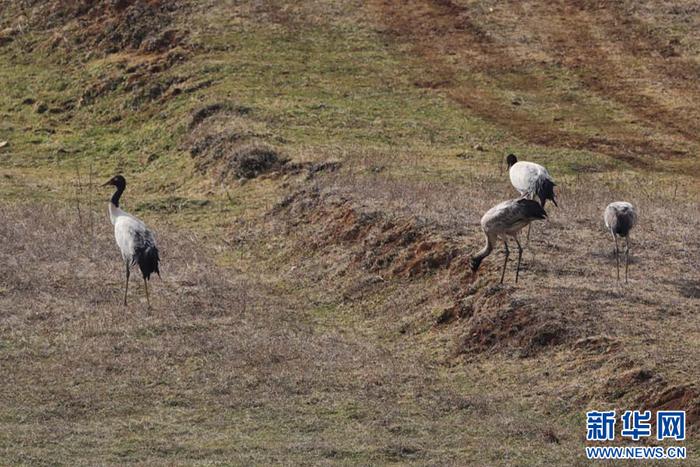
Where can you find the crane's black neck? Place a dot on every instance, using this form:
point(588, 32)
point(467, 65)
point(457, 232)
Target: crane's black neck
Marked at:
point(117, 195)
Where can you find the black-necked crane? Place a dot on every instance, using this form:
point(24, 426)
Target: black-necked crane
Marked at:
point(531, 180)
point(504, 221)
point(135, 241)
point(620, 217)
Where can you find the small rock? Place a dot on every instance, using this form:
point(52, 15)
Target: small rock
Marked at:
point(478, 147)
point(3, 144)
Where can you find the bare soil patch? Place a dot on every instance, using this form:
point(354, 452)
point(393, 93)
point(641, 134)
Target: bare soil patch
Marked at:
point(397, 249)
point(109, 26)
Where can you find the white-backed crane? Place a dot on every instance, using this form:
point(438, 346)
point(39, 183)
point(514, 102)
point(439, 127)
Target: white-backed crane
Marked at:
point(135, 241)
point(531, 180)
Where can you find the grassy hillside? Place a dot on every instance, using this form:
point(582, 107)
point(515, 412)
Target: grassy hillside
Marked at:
point(316, 304)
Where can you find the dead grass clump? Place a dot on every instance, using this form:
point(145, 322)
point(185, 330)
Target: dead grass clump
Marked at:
point(100, 88)
point(320, 167)
point(497, 322)
point(253, 160)
point(143, 80)
point(626, 381)
point(110, 26)
point(598, 344)
point(681, 397)
point(148, 88)
point(210, 110)
point(7, 35)
point(166, 40)
point(228, 157)
point(226, 143)
point(378, 243)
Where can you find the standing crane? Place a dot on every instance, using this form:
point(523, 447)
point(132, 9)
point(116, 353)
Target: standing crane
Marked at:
point(620, 217)
point(506, 220)
point(135, 241)
point(531, 180)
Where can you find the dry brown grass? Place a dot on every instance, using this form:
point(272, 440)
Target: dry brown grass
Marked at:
point(346, 327)
point(568, 294)
point(227, 367)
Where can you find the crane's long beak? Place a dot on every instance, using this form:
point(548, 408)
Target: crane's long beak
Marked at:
point(108, 182)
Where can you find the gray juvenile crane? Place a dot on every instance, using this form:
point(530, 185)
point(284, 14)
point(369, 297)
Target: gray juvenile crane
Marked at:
point(505, 220)
point(620, 217)
point(531, 180)
point(135, 241)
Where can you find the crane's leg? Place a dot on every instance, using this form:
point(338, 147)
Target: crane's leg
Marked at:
point(126, 289)
point(627, 256)
point(520, 255)
point(148, 300)
point(617, 256)
point(531, 196)
point(527, 241)
point(503, 273)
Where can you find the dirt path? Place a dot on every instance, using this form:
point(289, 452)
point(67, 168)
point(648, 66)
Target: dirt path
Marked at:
point(534, 40)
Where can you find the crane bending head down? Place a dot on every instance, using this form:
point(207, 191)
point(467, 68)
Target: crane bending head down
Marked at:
point(504, 221)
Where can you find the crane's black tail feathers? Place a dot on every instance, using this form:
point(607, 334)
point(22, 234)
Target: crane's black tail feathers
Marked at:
point(623, 224)
point(545, 191)
point(531, 209)
point(147, 259)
